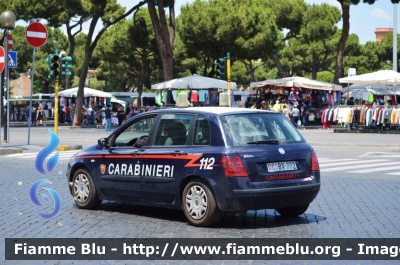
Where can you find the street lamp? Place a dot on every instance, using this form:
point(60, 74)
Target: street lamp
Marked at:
point(7, 20)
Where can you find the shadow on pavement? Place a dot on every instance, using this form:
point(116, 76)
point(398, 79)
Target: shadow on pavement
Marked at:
point(250, 220)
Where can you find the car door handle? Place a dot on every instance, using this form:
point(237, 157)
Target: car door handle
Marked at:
point(177, 153)
point(136, 153)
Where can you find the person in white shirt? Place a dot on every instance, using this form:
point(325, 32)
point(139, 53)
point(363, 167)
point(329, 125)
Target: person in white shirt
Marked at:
point(295, 115)
point(62, 102)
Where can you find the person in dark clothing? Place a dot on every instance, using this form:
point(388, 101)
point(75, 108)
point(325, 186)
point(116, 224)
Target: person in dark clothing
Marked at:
point(108, 113)
point(120, 115)
point(304, 113)
point(350, 102)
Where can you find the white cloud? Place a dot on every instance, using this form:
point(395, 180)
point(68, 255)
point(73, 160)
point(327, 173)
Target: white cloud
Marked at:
point(378, 13)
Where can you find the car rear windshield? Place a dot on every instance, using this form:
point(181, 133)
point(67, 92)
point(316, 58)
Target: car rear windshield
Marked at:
point(259, 128)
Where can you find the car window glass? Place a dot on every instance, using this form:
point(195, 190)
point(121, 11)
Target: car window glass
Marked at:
point(245, 128)
point(173, 129)
point(134, 130)
point(202, 131)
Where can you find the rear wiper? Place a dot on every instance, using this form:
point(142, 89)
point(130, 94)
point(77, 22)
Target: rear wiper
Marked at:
point(265, 142)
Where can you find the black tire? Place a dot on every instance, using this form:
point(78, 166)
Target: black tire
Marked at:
point(84, 190)
point(195, 192)
point(293, 211)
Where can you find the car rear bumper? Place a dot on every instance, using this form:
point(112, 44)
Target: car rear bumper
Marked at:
point(270, 198)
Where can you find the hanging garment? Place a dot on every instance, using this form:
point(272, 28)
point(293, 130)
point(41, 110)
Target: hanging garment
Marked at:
point(164, 97)
point(194, 97)
point(202, 95)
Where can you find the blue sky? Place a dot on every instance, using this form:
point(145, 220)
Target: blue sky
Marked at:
point(364, 18)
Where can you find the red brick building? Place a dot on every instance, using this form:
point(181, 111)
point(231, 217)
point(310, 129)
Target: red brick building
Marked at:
point(380, 32)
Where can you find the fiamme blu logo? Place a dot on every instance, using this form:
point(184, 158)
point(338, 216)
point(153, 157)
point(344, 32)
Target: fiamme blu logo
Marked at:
point(45, 169)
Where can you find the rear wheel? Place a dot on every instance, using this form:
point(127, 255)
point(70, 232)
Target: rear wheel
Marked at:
point(293, 211)
point(199, 205)
point(84, 190)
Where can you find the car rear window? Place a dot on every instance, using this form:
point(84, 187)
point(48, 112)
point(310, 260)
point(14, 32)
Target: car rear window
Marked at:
point(259, 128)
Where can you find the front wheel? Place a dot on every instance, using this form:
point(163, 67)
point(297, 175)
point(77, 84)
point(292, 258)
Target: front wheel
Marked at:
point(293, 211)
point(84, 190)
point(199, 204)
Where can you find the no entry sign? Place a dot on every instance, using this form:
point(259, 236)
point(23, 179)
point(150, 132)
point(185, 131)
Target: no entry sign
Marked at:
point(2, 59)
point(36, 34)
point(10, 42)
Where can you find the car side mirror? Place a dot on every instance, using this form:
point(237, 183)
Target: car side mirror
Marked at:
point(103, 142)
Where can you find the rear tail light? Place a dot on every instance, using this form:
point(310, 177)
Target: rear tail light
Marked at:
point(314, 162)
point(233, 166)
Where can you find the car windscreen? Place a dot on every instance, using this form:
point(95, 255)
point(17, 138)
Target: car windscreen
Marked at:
point(259, 128)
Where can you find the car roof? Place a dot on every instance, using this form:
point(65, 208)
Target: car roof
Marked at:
point(215, 110)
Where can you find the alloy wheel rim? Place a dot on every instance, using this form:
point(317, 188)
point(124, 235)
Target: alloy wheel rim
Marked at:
point(81, 188)
point(196, 202)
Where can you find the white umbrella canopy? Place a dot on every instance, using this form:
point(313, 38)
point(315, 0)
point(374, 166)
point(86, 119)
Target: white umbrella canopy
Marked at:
point(87, 92)
point(381, 77)
point(355, 87)
point(377, 91)
point(193, 82)
point(115, 100)
point(298, 82)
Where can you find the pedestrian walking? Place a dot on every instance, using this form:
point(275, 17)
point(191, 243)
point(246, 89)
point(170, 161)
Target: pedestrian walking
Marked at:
point(89, 116)
point(286, 111)
point(39, 115)
point(304, 113)
point(28, 113)
point(33, 120)
point(277, 107)
point(120, 115)
point(17, 113)
point(108, 114)
point(264, 106)
point(295, 115)
point(131, 113)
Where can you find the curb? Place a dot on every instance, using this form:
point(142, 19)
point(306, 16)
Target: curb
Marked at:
point(391, 149)
point(8, 151)
point(13, 150)
point(384, 148)
point(68, 147)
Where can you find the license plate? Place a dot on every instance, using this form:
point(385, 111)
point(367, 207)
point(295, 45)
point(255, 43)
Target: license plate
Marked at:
point(282, 166)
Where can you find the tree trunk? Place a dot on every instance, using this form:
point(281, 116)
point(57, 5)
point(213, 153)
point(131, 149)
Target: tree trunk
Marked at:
point(278, 64)
point(45, 84)
point(89, 47)
point(314, 74)
point(79, 96)
point(343, 39)
point(163, 36)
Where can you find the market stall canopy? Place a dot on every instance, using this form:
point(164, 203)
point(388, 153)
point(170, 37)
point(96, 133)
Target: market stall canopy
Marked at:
point(381, 77)
point(377, 91)
point(121, 102)
point(298, 82)
point(87, 92)
point(378, 88)
point(194, 82)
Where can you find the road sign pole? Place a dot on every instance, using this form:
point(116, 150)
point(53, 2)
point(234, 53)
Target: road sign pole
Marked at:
point(30, 100)
point(56, 106)
point(8, 102)
point(1, 103)
point(7, 116)
point(228, 75)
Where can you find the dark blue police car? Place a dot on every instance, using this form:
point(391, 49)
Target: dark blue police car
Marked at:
point(206, 161)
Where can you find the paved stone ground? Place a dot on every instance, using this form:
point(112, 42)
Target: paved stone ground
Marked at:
point(345, 208)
